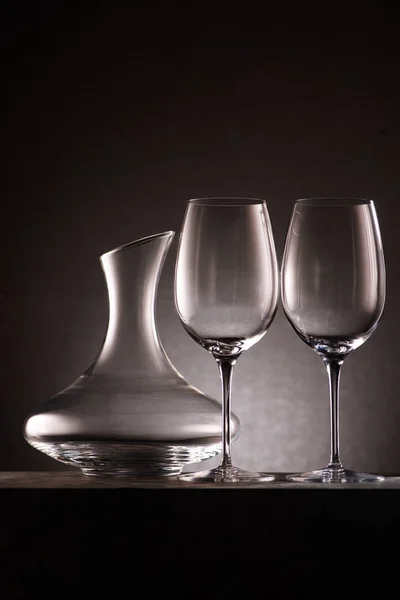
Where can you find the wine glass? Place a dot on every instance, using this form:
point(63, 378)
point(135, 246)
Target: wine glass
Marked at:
point(333, 287)
point(226, 292)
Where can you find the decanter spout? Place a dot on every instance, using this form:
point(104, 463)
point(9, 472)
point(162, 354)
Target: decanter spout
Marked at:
point(132, 273)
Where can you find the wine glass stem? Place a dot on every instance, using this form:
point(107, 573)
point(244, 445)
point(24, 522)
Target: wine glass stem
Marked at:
point(333, 367)
point(225, 366)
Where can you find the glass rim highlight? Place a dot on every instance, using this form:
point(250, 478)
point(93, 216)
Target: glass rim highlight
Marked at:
point(225, 201)
point(333, 201)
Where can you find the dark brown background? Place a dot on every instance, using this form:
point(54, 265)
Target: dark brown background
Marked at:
point(115, 119)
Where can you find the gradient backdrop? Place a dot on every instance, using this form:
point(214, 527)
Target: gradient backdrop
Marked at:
point(115, 119)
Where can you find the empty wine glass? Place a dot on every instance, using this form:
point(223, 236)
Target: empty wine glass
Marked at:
point(226, 291)
point(333, 292)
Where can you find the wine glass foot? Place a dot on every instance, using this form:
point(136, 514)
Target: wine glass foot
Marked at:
point(228, 474)
point(334, 475)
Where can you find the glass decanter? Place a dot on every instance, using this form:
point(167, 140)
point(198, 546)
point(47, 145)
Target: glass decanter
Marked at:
point(131, 412)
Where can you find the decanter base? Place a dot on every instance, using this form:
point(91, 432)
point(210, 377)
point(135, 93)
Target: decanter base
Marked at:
point(126, 458)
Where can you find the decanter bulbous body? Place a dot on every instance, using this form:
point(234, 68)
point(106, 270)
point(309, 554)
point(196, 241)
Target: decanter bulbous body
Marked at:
point(131, 412)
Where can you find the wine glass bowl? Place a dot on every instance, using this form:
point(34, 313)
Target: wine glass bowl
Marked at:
point(333, 293)
point(226, 292)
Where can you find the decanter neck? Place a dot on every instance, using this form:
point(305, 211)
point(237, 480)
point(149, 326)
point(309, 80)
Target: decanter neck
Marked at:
point(132, 274)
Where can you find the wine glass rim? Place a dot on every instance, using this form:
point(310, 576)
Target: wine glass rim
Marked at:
point(333, 201)
point(225, 201)
point(138, 242)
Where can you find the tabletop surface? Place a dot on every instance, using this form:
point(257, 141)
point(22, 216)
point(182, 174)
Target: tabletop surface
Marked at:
point(61, 531)
point(75, 480)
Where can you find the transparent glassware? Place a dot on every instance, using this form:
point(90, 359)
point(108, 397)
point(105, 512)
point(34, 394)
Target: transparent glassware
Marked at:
point(226, 293)
point(333, 287)
point(131, 412)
